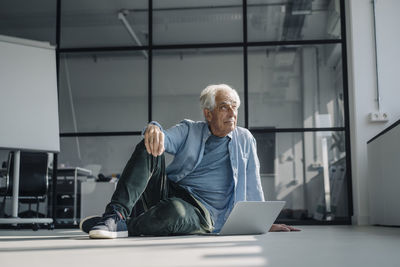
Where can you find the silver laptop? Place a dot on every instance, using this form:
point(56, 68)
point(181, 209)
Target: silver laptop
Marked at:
point(251, 218)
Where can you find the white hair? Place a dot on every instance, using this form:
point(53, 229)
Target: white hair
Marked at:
point(207, 96)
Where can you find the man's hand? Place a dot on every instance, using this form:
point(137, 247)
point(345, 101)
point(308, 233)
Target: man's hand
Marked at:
point(282, 228)
point(154, 140)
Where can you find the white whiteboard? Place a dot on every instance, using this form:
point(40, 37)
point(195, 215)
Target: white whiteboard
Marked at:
point(28, 95)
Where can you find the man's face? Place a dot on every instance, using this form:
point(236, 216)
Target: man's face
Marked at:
point(222, 119)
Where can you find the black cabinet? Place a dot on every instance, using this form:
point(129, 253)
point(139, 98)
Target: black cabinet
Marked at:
point(67, 209)
point(68, 197)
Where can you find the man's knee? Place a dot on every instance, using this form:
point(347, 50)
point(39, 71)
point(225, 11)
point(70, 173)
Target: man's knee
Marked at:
point(169, 216)
point(141, 151)
point(140, 147)
point(173, 208)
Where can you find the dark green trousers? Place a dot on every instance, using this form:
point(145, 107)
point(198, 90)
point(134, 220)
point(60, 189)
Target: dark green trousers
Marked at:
point(166, 208)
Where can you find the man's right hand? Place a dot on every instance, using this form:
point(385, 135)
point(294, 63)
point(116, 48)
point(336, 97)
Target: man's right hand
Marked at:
point(154, 140)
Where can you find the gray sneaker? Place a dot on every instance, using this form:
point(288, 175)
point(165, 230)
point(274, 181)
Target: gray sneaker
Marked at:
point(88, 223)
point(111, 225)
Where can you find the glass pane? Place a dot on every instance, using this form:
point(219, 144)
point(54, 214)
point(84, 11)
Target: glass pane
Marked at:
point(179, 76)
point(35, 20)
point(292, 86)
point(3, 161)
point(183, 22)
point(3, 169)
point(292, 169)
point(107, 154)
point(271, 20)
point(103, 92)
point(92, 23)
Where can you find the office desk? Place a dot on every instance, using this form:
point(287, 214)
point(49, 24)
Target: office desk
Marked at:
point(74, 172)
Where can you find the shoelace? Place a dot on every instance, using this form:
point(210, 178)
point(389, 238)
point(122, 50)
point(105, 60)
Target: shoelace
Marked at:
point(114, 215)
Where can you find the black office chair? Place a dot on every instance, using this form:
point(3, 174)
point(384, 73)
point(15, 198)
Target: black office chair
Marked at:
point(33, 181)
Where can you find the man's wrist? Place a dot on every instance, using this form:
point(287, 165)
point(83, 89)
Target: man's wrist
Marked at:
point(152, 123)
point(156, 124)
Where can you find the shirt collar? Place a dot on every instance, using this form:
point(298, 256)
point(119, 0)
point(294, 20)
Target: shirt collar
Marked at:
point(209, 132)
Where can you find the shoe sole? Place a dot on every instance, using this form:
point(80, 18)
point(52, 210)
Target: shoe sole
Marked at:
point(87, 219)
point(101, 234)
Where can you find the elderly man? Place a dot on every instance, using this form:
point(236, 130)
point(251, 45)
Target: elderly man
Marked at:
point(215, 165)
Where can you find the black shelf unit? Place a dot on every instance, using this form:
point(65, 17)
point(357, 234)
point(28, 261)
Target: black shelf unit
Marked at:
point(64, 201)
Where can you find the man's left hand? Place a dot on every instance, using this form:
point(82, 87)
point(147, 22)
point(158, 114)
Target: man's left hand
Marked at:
point(282, 228)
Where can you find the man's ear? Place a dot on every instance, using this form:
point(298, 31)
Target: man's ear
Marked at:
point(207, 114)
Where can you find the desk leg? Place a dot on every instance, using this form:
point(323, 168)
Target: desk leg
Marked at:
point(75, 194)
point(17, 155)
point(54, 189)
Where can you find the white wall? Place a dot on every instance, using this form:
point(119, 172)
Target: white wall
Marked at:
point(384, 169)
point(362, 85)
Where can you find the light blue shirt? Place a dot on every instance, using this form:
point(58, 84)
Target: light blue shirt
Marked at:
point(186, 141)
point(211, 182)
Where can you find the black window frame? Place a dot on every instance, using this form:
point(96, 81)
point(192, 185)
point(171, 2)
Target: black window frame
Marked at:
point(245, 44)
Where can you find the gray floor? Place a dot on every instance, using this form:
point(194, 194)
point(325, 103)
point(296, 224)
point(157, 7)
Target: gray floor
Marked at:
point(313, 246)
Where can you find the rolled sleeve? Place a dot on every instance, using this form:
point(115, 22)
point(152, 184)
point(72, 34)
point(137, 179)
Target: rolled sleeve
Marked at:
point(253, 186)
point(174, 137)
point(153, 123)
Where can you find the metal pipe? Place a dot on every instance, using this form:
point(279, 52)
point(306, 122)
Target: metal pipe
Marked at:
point(122, 17)
point(327, 185)
point(376, 56)
point(15, 191)
point(71, 101)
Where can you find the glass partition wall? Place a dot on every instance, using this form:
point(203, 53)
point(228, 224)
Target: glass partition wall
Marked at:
point(124, 63)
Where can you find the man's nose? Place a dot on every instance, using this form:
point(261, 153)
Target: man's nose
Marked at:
point(231, 112)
